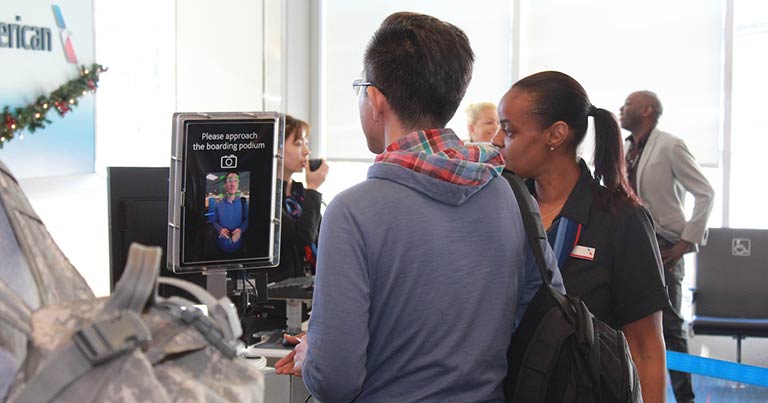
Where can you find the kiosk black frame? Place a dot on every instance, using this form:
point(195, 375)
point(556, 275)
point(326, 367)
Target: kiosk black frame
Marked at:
point(220, 146)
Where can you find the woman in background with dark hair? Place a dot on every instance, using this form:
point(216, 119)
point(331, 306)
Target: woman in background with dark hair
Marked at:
point(300, 224)
point(603, 238)
point(301, 205)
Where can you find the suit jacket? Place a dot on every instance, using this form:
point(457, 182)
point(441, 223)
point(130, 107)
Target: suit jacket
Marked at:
point(665, 172)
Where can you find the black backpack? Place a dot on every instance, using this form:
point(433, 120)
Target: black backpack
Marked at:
point(561, 352)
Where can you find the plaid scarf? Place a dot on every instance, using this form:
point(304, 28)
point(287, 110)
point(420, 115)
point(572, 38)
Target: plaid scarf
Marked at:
point(439, 153)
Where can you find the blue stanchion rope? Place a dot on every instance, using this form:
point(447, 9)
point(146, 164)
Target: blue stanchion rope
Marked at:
point(717, 368)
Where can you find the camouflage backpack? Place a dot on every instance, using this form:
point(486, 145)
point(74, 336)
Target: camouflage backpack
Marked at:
point(59, 343)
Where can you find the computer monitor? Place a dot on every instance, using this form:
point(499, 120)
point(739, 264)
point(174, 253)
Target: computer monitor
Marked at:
point(138, 212)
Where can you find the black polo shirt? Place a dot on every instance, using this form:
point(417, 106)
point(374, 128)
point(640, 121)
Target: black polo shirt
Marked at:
point(624, 282)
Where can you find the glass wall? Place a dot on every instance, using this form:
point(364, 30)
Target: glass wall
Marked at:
point(350, 24)
point(611, 48)
point(749, 118)
point(180, 56)
point(614, 48)
point(680, 50)
point(677, 49)
point(138, 93)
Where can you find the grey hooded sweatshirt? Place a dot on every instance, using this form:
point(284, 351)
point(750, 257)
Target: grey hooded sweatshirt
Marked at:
point(417, 288)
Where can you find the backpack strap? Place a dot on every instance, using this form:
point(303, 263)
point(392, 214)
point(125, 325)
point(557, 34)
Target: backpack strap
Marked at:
point(534, 231)
point(138, 281)
point(13, 311)
point(117, 330)
point(221, 311)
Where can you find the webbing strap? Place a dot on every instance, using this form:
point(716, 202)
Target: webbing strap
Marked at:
point(535, 232)
point(138, 281)
point(221, 311)
point(118, 329)
point(101, 342)
point(68, 365)
point(533, 227)
point(13, 311)
point(209, 329)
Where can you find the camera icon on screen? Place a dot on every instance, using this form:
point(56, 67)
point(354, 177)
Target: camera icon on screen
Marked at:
point(229, 161)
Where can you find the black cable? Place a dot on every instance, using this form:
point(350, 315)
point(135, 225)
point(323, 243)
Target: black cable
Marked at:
point(307, 399)
point(243, 295)
point(250, 283)
point(244, 291)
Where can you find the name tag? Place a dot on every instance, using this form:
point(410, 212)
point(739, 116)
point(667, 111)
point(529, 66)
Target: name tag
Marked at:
point(583, 252)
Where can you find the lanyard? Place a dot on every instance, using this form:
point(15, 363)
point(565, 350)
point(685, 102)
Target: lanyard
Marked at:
point(568, 233)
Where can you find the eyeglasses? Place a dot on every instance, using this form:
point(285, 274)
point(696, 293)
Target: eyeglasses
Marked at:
point(359, 84)
point(230, 180)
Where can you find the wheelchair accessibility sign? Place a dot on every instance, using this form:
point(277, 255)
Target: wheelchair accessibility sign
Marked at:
point(741, 247)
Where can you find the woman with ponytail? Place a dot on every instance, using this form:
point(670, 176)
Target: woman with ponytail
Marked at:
point(606, 249)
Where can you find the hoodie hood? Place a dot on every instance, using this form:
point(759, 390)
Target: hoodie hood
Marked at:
point(439, 165)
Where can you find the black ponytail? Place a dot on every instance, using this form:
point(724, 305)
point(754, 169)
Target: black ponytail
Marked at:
point(610, 166)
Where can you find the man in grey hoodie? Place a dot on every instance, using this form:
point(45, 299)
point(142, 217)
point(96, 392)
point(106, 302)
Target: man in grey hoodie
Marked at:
point(409, 303)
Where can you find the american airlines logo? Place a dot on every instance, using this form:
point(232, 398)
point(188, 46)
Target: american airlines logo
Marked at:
point(66, 35)
point(29, 37)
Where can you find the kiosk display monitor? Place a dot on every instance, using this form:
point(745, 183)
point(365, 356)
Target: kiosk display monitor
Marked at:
point(224, 191)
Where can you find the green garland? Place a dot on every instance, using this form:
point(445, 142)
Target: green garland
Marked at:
point(34, 116)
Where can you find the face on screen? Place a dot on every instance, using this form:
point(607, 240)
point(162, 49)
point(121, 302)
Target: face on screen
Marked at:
point(232, 183)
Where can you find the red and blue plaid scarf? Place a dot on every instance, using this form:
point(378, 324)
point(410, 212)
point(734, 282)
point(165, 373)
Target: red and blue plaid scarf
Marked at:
point(439, 153)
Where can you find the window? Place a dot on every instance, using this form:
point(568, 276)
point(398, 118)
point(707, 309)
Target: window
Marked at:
point(749, 119)
point(350, 24)
point(615, 48)
point(137, 96)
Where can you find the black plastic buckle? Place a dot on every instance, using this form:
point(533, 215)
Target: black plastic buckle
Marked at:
point(108, 338)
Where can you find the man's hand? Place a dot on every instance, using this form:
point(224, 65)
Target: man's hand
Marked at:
point(285, 365)
point(316, 178)
point(674, 253)
point(236, 234)
point(224, 233)
point(292, 363)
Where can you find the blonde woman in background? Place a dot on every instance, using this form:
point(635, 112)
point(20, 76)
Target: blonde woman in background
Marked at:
point(482, 122)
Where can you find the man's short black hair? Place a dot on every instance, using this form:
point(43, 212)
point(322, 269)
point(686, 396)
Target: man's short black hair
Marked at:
point(422, 66)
